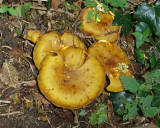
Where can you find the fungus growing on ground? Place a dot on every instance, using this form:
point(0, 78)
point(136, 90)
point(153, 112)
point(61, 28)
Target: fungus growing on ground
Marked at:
point(68, 39)
point(47, 42)
point(70, 80)
point(103, 30)
point(33, 35)
point(114, 61)
point(51, 42)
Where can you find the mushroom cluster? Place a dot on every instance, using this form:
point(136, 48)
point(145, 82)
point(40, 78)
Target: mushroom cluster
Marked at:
point(72, 76)
point(68, 76)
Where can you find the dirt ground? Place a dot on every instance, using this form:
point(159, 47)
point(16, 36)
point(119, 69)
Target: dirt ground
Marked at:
point(21, 103)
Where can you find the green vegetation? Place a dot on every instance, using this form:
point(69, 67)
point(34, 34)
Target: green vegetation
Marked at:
point(20, 11)
point(103, 6)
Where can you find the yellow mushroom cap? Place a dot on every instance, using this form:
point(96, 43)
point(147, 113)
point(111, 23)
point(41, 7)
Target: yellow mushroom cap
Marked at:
point(67, 87)
point(70, 59)
point(103, 30)
point(33, 35)
point(69, 39)
point(114, 61)
point(48, 42)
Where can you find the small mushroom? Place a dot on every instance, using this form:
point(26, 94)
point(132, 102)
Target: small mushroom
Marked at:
point(114, 61)
point(48, 42)
point(69, 87)
point(33, 35)
point(103, 30)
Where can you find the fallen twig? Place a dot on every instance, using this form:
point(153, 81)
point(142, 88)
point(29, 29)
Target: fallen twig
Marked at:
point(4, 101)
point(11, 113)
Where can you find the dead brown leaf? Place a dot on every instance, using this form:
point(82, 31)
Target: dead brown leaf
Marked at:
point(56, 3)
point(9, 75)
point(38, 96)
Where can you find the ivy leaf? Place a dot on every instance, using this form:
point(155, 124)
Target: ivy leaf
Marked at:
point(3, 9)
point(152, 60)
point(130, 84)
point(144, 28)
point(140, 38)
point(132, 110)
point(118, 20)
point(123, 20)
point(140, 56)
point(150, 15)
point(49, 4)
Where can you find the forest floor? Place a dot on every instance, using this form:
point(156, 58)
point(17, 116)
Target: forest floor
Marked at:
point(21, 103)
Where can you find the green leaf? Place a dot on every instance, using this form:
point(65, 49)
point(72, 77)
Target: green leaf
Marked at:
point(118, 20)
point(18, 31)
point(130, 84)
point(145, 101)
point(117, 3)
point(144, 28)
point(19, 11)
point(91, 3)
point(49, 4)
point(152, 77)
point(156, 101)
point(27, 6)
point(12, 11)
point(156, 89)
point(150, 15)
point(93, 14)
point(82, 112)
point(132, 110)
point(123, 20)
point(127, 24)
point(145, 105)
point(150, 111)
point(99, 115)
point(140, 56)
point(3, 9)
point(158, 122)
point(152, 60)
point(140, 38)
point(119, 99)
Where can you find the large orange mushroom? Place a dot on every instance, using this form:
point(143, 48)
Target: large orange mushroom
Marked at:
point(71, 85)
point(103, 30)
point(114, 61)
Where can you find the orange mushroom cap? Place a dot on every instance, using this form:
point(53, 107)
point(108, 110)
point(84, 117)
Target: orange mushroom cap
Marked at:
point(53, 41)
point(103, 30)
point(114, 61)
point(33, 35)
point(69, 87)
point(48, 42)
